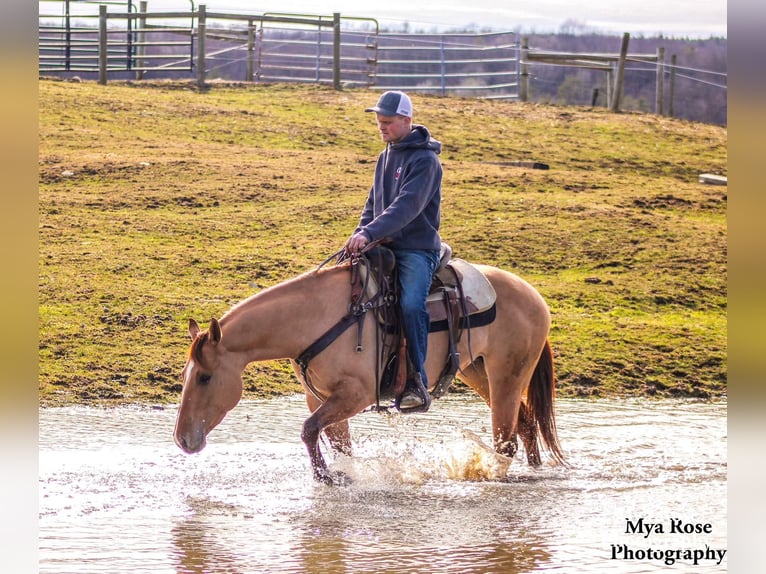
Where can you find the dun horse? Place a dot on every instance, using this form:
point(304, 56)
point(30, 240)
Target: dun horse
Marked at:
point(509, 363)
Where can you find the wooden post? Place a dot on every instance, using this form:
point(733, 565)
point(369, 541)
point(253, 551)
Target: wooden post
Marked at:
point(250, 49)
point(594, 99)
point(672, 94)
point(336, 50)
point(201, 33)
point(102, 45)
point(617, 95)
point(68, 34)
point(660, 97)
point(609, 87)
point(141, 48)
point(524, 67)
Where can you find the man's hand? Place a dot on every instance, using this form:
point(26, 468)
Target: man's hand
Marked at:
point(356, 243)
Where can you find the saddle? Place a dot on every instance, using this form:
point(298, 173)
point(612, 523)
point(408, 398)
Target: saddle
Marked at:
point(460, 297)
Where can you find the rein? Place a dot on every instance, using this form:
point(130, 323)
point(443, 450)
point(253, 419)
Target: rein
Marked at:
point(357, 312)
point(458, 320)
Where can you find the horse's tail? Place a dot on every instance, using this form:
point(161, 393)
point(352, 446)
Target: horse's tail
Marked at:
point(539, 404)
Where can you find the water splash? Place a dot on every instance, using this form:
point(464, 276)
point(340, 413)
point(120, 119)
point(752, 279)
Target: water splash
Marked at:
point(423, 486)
point(465, 457)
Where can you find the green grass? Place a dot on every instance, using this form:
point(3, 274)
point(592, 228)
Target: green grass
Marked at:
point(160, 202)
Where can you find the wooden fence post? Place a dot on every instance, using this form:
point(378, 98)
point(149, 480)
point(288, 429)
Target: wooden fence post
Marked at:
point(336, 50)
point(141, 48)
point(201, 33)
point(660, 98)
point(617, 95)
point(609, 87)
point(672, 94)
point(102, 45)
point(524, 67)
point(68, 36)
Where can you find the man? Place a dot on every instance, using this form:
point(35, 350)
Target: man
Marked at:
point(404, 209)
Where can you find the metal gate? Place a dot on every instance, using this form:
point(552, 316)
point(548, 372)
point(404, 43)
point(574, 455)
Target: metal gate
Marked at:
point(120, 40)
point(70, 38)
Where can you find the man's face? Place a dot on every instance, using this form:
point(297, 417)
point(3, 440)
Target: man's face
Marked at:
point(393, 128)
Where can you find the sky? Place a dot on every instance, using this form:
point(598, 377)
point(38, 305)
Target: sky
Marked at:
point(679, 18)
point(687, 18)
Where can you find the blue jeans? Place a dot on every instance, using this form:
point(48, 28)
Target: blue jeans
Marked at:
point(416, 269)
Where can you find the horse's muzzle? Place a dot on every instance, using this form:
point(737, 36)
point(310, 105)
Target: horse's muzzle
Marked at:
point(190, 442)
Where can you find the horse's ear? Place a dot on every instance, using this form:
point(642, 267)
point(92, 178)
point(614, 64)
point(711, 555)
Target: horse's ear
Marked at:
point(193, 329)
point(215, 331)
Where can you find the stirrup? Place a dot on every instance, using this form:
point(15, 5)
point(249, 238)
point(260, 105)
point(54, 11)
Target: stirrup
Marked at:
point(415, 398)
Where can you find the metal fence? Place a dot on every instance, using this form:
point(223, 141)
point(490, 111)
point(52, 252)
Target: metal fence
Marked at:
point(70, 39)
point(124, 41)
point(486, 65)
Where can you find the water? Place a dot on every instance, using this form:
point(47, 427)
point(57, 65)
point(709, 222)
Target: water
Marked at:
point(116, 495)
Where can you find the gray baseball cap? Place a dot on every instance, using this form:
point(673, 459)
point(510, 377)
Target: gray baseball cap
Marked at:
point(393, 103)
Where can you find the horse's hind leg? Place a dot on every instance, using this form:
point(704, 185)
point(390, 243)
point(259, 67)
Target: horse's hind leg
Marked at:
point(340, 437)
point(533, 418)
point(338, 433)
point(475, 376)
point(507, 383)
point(528, 431)
point(503, 430)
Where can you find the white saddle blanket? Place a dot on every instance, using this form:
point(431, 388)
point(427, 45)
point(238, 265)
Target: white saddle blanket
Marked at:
point(478, 291)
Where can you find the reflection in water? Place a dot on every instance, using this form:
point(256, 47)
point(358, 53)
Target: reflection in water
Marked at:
point(428, 493)
point(377, 531)
point(324, 547)
point(197, 543)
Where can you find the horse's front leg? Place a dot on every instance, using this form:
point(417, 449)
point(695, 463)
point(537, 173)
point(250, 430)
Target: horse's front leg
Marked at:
point(331, 417)
point(338, 433)
point(310, 437)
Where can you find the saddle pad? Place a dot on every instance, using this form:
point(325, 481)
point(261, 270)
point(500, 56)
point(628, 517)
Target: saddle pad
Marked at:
point(478, 291)
point(479, 294)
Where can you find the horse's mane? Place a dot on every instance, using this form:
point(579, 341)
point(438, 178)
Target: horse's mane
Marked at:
point(297, 282)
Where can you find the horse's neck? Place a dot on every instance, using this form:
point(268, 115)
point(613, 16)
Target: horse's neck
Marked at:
point(282, 321)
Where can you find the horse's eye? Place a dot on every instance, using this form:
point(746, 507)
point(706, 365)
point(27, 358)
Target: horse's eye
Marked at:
point(204, 379)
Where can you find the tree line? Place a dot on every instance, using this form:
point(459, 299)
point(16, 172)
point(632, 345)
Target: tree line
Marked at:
point(700, 82)
point(699, 85)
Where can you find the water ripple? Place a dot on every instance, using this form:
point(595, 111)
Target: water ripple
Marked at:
point(428, 494)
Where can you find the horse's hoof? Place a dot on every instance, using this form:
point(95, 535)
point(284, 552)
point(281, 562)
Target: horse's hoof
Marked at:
point(336, 478)
point(341, 479)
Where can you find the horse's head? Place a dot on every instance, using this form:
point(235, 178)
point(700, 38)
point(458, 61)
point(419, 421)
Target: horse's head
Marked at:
point(212, 386)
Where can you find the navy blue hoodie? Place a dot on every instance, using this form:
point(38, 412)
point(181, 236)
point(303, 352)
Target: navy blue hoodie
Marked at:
point(404, 204)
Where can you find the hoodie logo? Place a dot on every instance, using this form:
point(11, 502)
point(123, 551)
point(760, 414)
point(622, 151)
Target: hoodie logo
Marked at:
point(398, 172)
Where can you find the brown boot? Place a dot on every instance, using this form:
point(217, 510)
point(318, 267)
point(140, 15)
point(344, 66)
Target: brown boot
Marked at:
point(415, 398)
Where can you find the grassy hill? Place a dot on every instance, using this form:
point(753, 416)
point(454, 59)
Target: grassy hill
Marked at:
point(160, 202)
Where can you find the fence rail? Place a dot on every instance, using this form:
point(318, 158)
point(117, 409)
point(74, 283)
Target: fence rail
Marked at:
point(197, 44)
point(277, 47)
